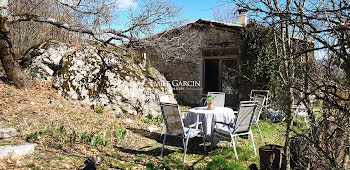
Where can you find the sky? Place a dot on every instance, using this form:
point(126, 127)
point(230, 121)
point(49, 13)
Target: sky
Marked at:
point(192, 9)
point(197, 9)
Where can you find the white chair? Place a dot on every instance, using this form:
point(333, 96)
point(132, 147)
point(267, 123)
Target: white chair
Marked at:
point(241, 126)
point(261, 92)
point(260, 99)
point(175, 127)
point(166, 99)
point(219, 98)
point(301, 111)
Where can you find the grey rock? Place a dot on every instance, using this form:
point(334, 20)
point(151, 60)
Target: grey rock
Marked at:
point(16, 151)
point(7, 132)
point(100, 78)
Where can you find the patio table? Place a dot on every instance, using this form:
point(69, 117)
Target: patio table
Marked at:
point(207, 117)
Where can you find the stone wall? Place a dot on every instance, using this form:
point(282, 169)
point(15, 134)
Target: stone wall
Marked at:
point(220, 37)
point(179, 57)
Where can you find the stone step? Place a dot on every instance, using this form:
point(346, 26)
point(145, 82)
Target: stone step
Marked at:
point(16, 151)
point(7, 132)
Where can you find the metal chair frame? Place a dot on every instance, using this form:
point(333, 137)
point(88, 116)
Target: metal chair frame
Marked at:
point(184, 132)
point(260, 99)
point(233, 129)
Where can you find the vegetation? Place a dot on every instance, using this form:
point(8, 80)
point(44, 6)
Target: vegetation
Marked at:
point(99, 109)
point(257, 54)
point(208, 99)
point(154, 120)
point(60, 134)
point(310, 64)
point(271, 58)
point(67, 136)
point(223, 156)
point(36, 21)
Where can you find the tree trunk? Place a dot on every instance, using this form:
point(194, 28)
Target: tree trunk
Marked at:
point(289, 121)
point(13, 70)
point(271, 157)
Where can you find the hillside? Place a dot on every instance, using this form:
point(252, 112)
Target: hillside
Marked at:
point(29, 111)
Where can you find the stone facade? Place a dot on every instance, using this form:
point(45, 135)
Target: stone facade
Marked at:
point(179, 55)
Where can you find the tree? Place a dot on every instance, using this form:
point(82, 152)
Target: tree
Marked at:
point(91, 20)
point(12, 68)
point(25, 35)
point(225, 14)
point(322, 28)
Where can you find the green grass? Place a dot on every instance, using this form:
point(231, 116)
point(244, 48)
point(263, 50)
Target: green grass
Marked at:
point(138, 159)
point(223, 156)
point(70, 113)
point(219, 162)
point(59, 109)
point(117, 164)
point(153, 120)
point(99, 109)
point(31, 164)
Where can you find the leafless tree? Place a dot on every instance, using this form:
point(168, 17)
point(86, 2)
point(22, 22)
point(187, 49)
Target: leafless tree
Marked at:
point(24, 35)
point(95, 20)
point(323, 30)
point(225, 14)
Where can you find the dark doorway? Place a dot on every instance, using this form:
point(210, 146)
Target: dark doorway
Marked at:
point(221, 71)
point(211, 75)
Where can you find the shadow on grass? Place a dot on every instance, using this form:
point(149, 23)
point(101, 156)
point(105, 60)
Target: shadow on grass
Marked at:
point(195, 145)
point(154, 152)
point(171, 159)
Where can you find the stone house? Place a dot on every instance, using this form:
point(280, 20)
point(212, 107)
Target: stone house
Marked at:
point(199, 57)
point(204, 56)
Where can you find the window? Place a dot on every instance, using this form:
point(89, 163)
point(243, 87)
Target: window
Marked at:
point(220, 51)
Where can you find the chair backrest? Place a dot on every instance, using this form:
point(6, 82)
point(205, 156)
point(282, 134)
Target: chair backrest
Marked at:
point(260, 92)
point(260, 99)
point(166, 99)
point(245, 116)
point(172, 118)
point(219, 98)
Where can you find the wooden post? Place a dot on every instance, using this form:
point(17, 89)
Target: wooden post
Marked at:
point(271, 157)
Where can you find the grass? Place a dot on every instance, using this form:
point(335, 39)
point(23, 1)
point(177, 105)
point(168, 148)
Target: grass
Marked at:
point(30, 164)
point(223, 157)
point(153, 120)
point(99, 109)
point(66, 135)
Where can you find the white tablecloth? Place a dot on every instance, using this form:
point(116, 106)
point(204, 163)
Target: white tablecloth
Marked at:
point(207, 117)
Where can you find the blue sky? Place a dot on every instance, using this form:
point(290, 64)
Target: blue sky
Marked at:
point(192, 9)
point(197, 9)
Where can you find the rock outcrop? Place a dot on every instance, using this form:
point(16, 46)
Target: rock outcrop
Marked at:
point(99, 77)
